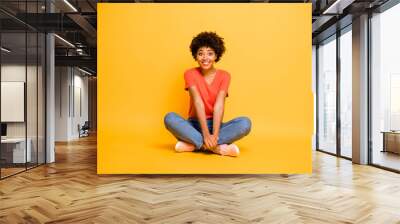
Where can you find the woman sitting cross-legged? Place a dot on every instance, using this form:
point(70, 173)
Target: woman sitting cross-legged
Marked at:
point(208, 88)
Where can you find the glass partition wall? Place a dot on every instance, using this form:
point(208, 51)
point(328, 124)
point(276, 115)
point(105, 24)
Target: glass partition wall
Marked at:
point(327, 95)
point(334, 92)
point(22, 88)
point(385, 89)
point(345, 62)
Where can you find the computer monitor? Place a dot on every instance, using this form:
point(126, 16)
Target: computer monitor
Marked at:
point(3, 129)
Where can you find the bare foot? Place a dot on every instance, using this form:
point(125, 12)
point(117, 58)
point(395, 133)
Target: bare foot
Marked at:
point(184, 147)
point(227, 150)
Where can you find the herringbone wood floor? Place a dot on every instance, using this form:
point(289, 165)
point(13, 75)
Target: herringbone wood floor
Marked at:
point(70, 191)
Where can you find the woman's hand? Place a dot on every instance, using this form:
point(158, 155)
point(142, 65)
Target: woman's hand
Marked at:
point(210, 141)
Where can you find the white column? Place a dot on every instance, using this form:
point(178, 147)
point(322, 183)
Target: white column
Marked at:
point(50, 99)
point(360, 90)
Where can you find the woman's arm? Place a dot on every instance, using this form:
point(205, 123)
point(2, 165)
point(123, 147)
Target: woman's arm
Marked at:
point(210, 141)
point(218, 112)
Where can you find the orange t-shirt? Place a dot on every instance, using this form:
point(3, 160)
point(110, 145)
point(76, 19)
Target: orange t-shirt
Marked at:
point(208, 93)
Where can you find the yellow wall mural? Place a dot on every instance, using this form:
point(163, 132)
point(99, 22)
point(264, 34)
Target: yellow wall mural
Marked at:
point(143, 51)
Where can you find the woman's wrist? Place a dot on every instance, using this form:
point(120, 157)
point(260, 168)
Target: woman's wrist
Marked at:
point(206, 133)
point(216, 133)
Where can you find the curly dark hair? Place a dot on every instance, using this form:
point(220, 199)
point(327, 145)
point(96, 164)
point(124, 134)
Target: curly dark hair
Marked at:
point(208, 39)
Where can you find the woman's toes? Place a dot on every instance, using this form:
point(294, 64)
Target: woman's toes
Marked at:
point(184, 147)
point(234, 150)
point(228, 150)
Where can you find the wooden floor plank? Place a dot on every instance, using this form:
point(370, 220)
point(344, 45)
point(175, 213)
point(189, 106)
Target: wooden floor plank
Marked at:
point(70, 191)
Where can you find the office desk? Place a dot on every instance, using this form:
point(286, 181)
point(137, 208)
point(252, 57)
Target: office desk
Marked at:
point(13, 150)
point(391, 141)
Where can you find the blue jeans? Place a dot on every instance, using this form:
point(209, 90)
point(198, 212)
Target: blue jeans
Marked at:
point(190, 130)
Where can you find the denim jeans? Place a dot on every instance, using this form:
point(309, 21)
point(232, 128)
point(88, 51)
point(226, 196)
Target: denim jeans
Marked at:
point(190, 130)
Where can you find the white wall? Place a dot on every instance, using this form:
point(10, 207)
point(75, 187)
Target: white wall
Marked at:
point(81, 84)
point(71, 87)
point(62, 81)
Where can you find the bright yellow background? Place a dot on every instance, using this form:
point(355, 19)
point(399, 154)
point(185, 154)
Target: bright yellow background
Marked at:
point(143, 50)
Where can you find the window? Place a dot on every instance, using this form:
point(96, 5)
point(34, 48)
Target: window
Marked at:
point(346, 92)
point(385, 88)
point(327, 95)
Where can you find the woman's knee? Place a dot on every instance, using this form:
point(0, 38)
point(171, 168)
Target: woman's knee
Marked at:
point(170, 118)
point(245, 125)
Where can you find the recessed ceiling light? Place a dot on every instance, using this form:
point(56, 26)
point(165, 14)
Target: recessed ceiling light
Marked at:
point(84, 71)
point(5, 50)
point(70, 5)
point(64, 40)
point(338, 6)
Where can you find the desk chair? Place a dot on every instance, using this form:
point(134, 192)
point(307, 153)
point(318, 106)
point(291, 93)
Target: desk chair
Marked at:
point(84, 130)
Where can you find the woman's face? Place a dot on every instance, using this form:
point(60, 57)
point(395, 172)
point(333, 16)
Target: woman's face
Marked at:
point(206, 57)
